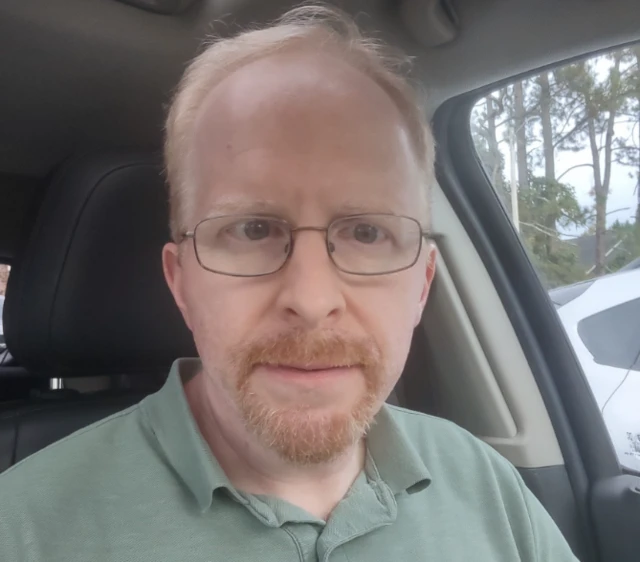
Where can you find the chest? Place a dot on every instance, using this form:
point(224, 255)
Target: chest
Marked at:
point(417, 533)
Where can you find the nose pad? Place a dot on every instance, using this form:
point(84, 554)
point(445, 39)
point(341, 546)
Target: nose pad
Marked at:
point(288, 248)
point(291, 245)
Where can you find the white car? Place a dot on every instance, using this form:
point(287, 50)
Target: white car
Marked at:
point(602, 320)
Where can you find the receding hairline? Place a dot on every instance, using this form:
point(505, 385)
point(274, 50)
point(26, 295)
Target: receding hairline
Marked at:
point(345, 83)
point(224, 57)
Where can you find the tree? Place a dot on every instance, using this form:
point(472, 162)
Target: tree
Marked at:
point(587, 108)
point(519, 129)
point(627, 237)
point(506, 119)
point(629, 149)
point(596, 103)
point(546, 205)
point(545, 104)
point(487, 119)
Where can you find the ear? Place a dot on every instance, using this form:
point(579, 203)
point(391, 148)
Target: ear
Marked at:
point(430, 274)
point(173, 274)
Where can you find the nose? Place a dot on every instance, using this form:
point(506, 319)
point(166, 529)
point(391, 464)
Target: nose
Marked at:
point(311, 294)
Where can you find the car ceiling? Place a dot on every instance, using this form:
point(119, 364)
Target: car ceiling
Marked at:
point(82, 74)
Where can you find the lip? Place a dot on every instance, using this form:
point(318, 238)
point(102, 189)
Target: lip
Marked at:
point(308, 368)
point(308, 373)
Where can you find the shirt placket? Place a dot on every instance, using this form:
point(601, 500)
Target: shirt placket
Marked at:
point(369, 506)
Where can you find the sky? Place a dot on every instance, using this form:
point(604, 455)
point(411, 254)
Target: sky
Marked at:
point(622, 201)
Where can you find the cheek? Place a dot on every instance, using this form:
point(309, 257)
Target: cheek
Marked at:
point(223, 312)
point(388, 314)
point(204, 308)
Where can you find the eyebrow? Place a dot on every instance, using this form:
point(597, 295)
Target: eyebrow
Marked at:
point(233, 205)
point(240, 205)
point(349, 208)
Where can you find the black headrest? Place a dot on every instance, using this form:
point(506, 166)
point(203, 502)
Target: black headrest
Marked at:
point(87, 295)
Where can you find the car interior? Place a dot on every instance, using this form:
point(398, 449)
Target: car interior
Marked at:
point(91, 327)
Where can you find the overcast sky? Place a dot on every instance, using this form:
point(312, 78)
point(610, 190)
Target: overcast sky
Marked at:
point(622, 201)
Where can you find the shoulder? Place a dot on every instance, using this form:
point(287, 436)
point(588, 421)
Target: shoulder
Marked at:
point(451, 452)
point(426, 433)
point(70, 461)
point(54, 489)
point(468, 469)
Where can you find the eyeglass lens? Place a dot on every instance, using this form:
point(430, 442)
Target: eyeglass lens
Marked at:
point(256, 245)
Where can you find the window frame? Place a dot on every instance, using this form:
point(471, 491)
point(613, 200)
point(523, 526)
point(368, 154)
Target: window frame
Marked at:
point(590, 457)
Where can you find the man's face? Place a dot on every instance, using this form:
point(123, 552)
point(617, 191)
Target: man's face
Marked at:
point(303, 357)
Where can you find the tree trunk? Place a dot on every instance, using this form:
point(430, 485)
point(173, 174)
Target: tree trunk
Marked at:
point(492, 143)
point(602, 176)
point(548, 152)
point(520, 131)
point(601, 201)
point(547, 128)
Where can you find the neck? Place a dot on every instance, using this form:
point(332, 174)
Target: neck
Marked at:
point(256, 470)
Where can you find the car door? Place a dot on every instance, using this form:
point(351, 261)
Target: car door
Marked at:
point(601, 514)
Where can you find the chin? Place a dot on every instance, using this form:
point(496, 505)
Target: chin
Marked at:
point(307, 434)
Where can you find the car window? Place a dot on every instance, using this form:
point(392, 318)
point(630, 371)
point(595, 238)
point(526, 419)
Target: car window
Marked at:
point(562, 151)
point(613, 335)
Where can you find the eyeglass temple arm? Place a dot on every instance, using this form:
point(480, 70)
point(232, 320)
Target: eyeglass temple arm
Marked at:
point(189, 234)
point(428, 235)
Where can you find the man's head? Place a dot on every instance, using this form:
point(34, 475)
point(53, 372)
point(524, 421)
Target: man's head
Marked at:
point(303, 332)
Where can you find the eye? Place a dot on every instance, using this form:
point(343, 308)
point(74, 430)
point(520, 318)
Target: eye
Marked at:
point(256, 229)
point(366, 233)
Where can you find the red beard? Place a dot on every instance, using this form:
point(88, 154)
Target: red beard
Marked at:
point(296, 433)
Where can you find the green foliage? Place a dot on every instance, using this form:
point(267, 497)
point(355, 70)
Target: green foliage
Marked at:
point(544, 206)
point(591, 107)
point(627, 241)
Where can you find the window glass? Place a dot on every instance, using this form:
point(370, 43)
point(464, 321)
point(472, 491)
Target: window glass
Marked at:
point(612, 336)
point(562, 150)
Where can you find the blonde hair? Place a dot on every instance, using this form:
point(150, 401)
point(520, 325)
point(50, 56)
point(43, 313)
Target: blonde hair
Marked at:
point(314, 25)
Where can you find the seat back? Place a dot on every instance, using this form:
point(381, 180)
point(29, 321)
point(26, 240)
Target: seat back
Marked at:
point(87, 298)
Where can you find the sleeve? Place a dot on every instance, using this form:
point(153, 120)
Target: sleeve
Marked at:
point(548, 542)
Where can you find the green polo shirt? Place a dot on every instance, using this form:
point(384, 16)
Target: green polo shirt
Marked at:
point(143, 486)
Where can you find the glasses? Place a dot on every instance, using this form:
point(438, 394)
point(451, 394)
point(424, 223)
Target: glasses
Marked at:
point(252, 246)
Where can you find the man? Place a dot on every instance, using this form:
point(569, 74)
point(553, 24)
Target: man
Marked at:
point(299, 167)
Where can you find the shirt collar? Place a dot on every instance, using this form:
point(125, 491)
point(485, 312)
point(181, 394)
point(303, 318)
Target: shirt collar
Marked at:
point(173, 425)
point(391, 456)
point(394, 457)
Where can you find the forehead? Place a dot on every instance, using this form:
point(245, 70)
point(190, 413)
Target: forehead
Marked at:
point(303, 128)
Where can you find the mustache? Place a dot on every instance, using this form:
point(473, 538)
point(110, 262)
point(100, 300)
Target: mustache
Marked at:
point(304, 348)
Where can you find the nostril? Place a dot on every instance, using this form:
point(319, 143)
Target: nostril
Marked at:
point(331, 247)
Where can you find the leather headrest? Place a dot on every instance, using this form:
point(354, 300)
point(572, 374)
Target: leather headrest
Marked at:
point(87, 295)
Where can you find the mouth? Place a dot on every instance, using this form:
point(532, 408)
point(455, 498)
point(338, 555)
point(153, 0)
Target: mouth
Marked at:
point(315, 371)
point(308, 368)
